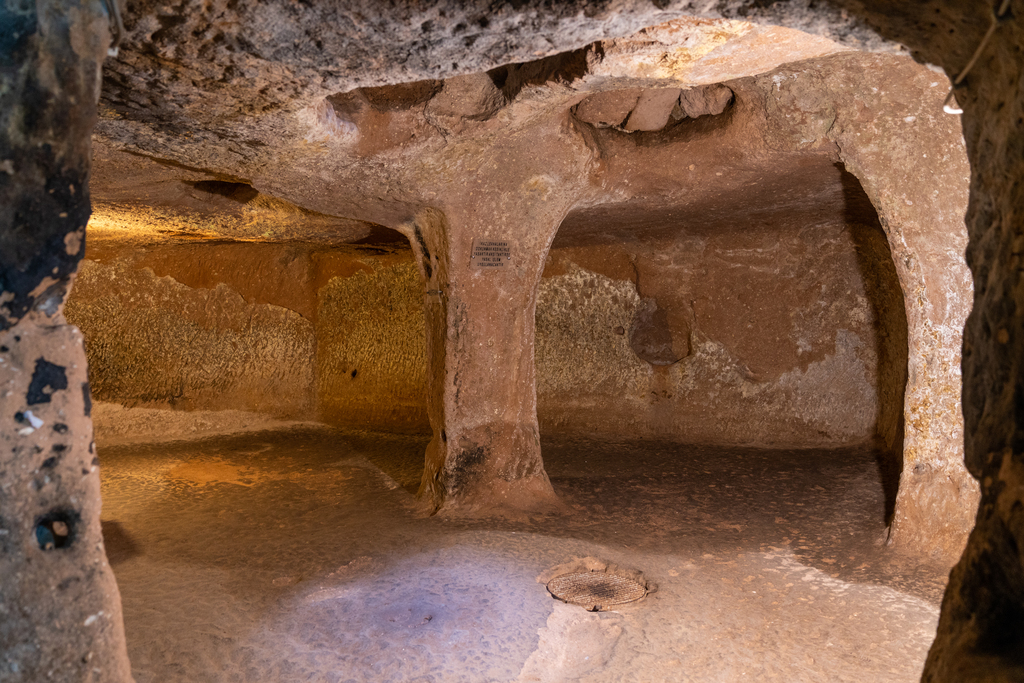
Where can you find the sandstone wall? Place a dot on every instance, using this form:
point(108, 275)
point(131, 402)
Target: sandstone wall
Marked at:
point(773, 337)
point(751, 337)
point(291, 331)
point(370, 355)
point(193, 327)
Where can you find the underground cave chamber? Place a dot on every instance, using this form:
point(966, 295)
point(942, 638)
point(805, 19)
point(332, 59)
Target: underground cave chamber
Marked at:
point(750, 350)
point(745, 321)
point(276, 308)
point(767, 319)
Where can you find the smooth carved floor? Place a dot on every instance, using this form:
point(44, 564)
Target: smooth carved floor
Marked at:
point(299, 555)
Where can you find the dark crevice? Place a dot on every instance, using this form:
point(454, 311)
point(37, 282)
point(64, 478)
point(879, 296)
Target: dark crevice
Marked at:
point(564, 67)
point(243, 193)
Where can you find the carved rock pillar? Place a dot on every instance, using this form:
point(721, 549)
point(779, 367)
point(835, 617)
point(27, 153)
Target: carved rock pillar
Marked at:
point(911, 160)
point(507, 201)
point(60, 611)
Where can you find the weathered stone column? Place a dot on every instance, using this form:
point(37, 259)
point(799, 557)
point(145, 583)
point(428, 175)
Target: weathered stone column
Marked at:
point(60, 611)
point(910, 158)
point(509, 198)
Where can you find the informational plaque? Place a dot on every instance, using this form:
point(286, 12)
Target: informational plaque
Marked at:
point(491, 253)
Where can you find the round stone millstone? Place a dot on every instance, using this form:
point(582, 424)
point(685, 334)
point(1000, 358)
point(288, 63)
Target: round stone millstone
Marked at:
point(596, 591)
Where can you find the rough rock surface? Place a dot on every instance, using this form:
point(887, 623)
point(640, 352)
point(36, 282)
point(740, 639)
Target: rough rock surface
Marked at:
point(116, 425)
point(154, 341)
point(981, 630)
point(409, 147)
point(156, 104)
point(480, 321)
point(400, 158)
point(390, 154)
point(259, 58)
point(60, 611)
point(910, 158)
point(293, 331)
point(145, 200)
point(979, 636)
point(765, 337)
point(370, 350)
point(636, 335)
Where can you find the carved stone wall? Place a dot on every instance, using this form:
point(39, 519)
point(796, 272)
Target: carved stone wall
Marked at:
point(193, 87)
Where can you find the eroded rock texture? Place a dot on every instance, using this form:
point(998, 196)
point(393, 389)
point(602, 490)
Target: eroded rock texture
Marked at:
point(60, 612)
point(911, 160)
point(766, 335)
point(654, 125)
point(371, 368)
point(981, 633)
point(980, 629)
point(294, 331)
point(256, 106)
point(158, 340)
point(773, 335)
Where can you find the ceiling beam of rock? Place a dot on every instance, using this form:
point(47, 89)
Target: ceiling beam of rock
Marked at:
point(136, 198)
point(261, 57)
point(353, 154)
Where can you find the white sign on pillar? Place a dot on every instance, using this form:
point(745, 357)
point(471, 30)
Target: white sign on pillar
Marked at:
point(491, 253)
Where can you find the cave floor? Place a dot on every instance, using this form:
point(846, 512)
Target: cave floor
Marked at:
point(300, 554)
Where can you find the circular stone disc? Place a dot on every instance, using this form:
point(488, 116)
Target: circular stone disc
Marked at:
point(596, 590)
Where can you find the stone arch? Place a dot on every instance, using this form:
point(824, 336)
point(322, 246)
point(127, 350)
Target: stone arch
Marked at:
point(937, 498)
point(646, 248)
point(917, 180)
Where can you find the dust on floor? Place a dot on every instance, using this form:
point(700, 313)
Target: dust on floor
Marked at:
point(300, 554)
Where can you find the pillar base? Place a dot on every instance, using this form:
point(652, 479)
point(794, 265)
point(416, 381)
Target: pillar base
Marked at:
point(935, 512)
point(60, 609)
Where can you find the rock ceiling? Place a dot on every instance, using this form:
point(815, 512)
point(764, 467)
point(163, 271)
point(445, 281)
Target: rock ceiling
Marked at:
point(205, 135)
